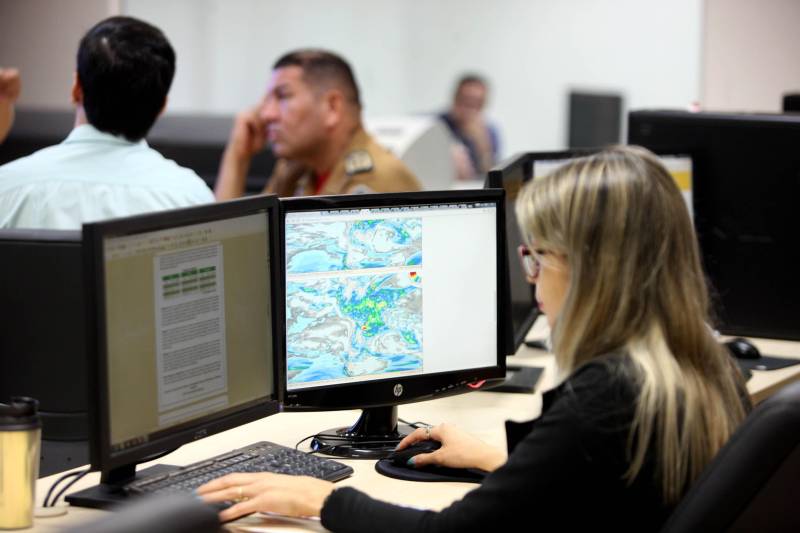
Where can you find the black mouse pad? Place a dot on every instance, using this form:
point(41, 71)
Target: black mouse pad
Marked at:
point(766, 362)
point(429, 473)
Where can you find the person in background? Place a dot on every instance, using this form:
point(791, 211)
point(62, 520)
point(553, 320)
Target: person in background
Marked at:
point(477, 142)
point(647, 396)
point(311, 118)
point(10, 86)
point(105, 168)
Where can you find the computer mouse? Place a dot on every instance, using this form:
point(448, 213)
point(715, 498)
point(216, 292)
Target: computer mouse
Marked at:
point(743, 348)
point(401, 457)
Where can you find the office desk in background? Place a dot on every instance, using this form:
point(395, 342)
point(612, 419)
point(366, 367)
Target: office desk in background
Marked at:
point(480, 413)
point(761, 385)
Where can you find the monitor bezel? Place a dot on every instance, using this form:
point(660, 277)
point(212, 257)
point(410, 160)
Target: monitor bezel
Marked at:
point(101, 454)
point(383, 392)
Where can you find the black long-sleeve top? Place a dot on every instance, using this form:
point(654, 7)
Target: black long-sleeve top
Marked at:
point(564, 470)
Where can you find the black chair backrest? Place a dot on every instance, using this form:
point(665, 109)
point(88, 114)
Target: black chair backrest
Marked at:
point(754, 482)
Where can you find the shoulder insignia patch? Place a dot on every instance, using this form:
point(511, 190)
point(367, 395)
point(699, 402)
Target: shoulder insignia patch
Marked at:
point(357, 161)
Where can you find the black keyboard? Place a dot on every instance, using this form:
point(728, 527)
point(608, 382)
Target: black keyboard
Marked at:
point(258, 457)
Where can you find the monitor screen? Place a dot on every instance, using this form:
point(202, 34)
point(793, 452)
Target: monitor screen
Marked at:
point(391, 298)
point(511, 175)
point(184, 315)
point(746, 184)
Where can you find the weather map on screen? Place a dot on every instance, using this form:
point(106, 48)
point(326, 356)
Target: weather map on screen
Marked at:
point(354, 299)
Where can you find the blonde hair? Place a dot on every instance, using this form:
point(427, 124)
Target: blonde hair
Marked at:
point(637, 287)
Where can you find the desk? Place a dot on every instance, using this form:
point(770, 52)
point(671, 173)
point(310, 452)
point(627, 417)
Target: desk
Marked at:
point(481, 413)
point(764, 383)
point(761, 385)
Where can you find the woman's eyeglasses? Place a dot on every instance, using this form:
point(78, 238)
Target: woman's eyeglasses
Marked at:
point(531, 260)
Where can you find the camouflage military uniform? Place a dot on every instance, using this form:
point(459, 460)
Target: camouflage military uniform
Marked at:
point(366, 167)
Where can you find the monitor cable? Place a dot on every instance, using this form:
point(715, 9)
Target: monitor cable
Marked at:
point(416, 425)
point(77, 475)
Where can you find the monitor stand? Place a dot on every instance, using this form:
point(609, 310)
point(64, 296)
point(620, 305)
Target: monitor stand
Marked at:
point(109, 493)
point(374, 435)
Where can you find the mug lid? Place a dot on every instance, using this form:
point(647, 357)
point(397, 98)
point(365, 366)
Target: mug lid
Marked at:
point(21, 410)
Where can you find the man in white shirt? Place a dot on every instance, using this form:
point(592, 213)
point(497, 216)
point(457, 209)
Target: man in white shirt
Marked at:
point(104, 168)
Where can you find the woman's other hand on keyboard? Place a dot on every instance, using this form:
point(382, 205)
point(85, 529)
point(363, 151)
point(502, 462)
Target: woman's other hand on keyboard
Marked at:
point(267, 492)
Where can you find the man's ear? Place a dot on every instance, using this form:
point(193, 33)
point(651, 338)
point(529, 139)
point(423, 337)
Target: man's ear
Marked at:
point(334, 103)
point(77, 90)
point(163, 106)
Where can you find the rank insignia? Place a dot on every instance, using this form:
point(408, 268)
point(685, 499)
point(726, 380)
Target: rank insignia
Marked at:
point(357, 162)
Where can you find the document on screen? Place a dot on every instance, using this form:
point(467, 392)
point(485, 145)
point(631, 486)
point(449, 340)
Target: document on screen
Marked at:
point(190, 330)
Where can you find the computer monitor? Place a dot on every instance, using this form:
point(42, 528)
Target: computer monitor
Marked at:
point(511, 175)
point(746, 186)
point(791, 103)
point(43, 346)
point(390, 298)
point(595, 119)
point(182, 304)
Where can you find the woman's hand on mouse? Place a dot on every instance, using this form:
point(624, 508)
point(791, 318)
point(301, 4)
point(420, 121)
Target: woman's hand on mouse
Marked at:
point(459, 449)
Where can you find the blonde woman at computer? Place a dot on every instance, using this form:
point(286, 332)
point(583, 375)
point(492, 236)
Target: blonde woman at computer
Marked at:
point(647, 395)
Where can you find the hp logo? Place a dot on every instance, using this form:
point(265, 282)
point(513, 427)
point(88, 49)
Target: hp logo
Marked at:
point(398, 390)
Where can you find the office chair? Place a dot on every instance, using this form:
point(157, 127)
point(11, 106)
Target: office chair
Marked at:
point(753, 484)
point(174, 513)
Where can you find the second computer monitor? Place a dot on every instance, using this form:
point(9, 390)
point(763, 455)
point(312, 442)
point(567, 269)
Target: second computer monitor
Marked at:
point(390, 298)
point(182, 305)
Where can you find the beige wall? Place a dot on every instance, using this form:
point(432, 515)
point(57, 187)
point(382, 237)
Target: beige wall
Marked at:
point(748, 59)
point(406, 53)
point(41, 37)
point(751, 54)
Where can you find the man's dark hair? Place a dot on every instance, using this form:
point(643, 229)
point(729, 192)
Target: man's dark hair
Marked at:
point(321, 69)
point(470, 78)
point(125, 68)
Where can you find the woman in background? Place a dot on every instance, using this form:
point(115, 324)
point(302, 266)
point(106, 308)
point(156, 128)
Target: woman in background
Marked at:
point(647, 395)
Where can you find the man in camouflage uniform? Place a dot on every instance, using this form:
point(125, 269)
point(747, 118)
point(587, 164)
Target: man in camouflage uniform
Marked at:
point(311, 117)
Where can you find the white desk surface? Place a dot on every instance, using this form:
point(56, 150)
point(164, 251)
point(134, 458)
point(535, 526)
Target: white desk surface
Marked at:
point(481, 413)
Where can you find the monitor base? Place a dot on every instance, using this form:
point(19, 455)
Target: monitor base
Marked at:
point(521, 379)
point(375, 435)
point(109, 495)
point(538, 344)
point(337, 442)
